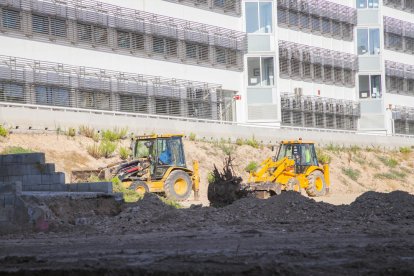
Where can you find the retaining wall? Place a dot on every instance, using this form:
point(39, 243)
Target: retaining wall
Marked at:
point(36, 117)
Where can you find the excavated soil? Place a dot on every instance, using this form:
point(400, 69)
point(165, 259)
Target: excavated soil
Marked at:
point(286, 234)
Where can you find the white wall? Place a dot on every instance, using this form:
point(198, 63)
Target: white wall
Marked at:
point(230, 80)
point(182, 11)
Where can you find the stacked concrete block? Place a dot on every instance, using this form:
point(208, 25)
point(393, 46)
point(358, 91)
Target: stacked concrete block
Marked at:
point(38, 176)
point(31, 170)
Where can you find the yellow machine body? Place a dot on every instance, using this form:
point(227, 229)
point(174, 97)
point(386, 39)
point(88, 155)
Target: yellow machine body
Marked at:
point(288, 171)
point(157, 177)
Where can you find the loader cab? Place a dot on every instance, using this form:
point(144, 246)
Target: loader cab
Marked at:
point(302, 153)
point(162, 151)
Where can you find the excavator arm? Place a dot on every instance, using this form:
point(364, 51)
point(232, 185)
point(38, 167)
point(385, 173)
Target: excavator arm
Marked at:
point(270, 170)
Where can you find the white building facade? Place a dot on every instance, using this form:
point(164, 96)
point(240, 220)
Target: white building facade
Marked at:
point(341, 65)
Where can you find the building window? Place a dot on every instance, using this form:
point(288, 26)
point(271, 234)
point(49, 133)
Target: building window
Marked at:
point(11, 92)
point(164, 46)
point(94, 100)
point(92, 34)
point(40, 24)
point(11, 19)
point(196, 51)
point(226, 56)
point(128, 103)
point(260, 71)
point(362, 4)
point(85, 32)
point(49, 26)
point(370, 86)
point(259, 17)
point(52, 96)
point(132, 41)
point(368, 41)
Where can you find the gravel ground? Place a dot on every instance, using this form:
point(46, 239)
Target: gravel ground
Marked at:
point(286, 234)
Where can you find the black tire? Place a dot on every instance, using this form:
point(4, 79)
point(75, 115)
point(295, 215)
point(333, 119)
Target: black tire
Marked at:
point(184, 188)
point(140, 187)
point(317, 184)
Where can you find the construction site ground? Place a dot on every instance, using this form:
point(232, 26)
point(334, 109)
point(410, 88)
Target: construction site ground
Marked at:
point(286, 234)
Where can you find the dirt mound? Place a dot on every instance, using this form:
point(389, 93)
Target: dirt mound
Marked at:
point(385, 206)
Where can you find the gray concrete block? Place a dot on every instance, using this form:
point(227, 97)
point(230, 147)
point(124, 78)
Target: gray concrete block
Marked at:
point(9, 200)
point(26, 169)
point(47, 179)
point(15, 178)
point(59, 178)
point(58, 188)
point(32, 179)
point(26, 158)
point(42, 188)
point(101, 187)
point(83, 187)
point(71, 187)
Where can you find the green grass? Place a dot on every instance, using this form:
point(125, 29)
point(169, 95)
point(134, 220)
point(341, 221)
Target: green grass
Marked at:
point(323, 158)
point(107, 148)
point(124, 153)
point(351, 173)
point(87, 131)
point(210, 177)
point(192, 136)
point(3, 131)
point(389, 162)
point(170, 202)
point(405, 150)
point(16, 150)
point(251, 167)
point(334, 148)
point(252, 142)
point(391, 175)
point(114, 135)
point(132, 196)
point(128, 195)
point(71, 132)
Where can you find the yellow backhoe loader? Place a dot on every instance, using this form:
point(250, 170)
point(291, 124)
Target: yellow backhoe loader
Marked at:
point(158, 166)
point(294, 168)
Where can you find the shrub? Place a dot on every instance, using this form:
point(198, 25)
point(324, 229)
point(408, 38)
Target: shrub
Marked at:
point(16, 150)
point(351, 173)
point(3, 131)
point(71, 132)
point(239, 142)
point(405, 150)
point(389, 162)
point(124, 153)
point(252, 142)
point(96, 137)
point(128, 195)
point(322, 157)
point(109, 135)
point(334, 148)
point(94, 151)
point(115, 134)
point(192, 136)
point(107, 148)
point(251, 167)
point(354, 149)
point(87, 131)
point(210, 177)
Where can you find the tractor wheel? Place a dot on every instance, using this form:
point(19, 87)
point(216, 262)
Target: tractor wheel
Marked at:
point(317, 184)
point(178, 186)
point(140, 187)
